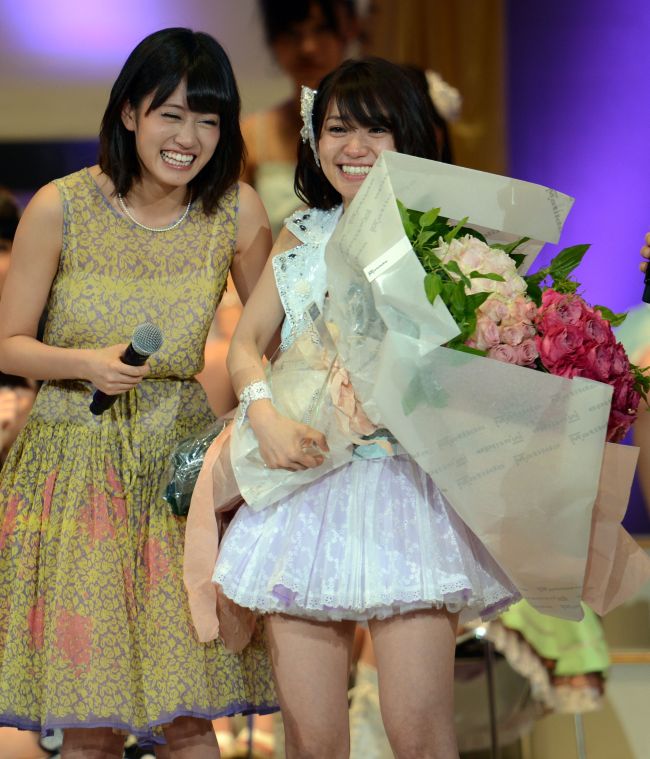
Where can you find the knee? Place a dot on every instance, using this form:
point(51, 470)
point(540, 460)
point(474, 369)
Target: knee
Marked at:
point(423, 743)
point(91, 743)
point(303, 742)
point(186, 733)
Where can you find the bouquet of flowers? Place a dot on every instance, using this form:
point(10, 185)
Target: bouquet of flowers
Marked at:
point(539, 321)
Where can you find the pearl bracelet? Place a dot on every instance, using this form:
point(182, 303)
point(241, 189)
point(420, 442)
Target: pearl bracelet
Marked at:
point(255, 391)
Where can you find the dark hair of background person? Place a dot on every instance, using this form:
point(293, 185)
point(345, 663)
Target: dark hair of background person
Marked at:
point(370, 92)
point(157, 66)
point(278, 16)
point(9, 218)
point(419, 78)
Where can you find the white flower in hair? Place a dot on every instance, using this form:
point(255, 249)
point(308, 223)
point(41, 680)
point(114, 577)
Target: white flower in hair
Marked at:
point(307, 96)
point(446, 98)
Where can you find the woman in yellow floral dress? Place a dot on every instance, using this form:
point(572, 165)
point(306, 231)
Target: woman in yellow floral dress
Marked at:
point(95, 633)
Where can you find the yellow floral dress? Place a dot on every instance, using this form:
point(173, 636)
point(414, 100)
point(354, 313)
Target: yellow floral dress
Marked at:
point(94, 622)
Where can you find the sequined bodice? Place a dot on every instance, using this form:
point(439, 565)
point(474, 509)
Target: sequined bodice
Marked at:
point(300, 272)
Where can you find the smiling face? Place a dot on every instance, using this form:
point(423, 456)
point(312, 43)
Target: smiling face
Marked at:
point(172, 142)
point(348, 150)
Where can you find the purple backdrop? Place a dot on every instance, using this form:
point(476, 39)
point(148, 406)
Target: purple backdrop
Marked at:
point(579, 121)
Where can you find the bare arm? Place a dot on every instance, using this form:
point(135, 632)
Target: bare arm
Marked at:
point(34, 262)
point(645, 252)
point(253, 242)
point(283, 442)
point(248, 130)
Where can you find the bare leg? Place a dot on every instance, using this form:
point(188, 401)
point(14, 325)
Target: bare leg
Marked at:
point(92, 743)
point(191, 738)
point(311, 661)
point(20, 744)
point(415, 661)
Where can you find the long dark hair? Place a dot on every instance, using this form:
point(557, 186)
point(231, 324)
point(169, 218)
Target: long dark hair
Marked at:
point(157, 66)
point(370, 92)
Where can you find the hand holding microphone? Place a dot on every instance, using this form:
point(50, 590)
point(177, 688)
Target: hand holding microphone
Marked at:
point(146, 340)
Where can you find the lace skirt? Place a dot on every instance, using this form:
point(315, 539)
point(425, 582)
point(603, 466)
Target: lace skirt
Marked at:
point(372, 539)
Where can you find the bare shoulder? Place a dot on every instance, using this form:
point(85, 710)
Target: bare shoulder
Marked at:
point(251, 208)
point(248, 197)
point(285, 241)
point(45, 206)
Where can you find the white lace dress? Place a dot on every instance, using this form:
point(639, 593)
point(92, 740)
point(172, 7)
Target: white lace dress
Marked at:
point(373, 538)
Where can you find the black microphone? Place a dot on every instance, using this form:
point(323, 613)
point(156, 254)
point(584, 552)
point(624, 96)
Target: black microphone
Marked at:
point(646, 289)
point(147, 339)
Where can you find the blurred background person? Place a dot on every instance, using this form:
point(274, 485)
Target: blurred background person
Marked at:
point(16, 393)
point(308, 38)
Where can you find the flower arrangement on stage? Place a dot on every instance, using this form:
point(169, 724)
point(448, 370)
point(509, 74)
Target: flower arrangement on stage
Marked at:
point(539, 321)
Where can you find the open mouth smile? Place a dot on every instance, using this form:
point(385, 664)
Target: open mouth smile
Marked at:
point(177, 160)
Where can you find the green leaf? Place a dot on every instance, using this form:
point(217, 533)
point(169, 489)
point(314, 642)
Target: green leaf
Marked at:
point(432, 286)
point(423, 238)
point(453, 232)
point(458, 298)
point(534, 291)
point(429, 217)
point(518, 258)
point(510, 248)
point(408, 225)
point(566, 261)
point(455, 268)
point(613, 318)
point(478, 275)
point(476, 300)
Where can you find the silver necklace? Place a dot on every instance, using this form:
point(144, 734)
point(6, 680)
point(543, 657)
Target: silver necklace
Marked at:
point(180, 220)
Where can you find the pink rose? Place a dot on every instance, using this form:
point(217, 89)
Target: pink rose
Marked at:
point(618, 425)
point(597, 329)
point(494, 309)
point(514, 334)
point(527, 353)
point(555, 345)
point(505, 353)
point(486, 335)
point(522, 310)
point(550, 297)
point(620, 362)
point(597, 362)
point(570, 310)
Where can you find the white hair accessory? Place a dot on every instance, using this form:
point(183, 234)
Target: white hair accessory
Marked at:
point(446, 98)
point(307, 96)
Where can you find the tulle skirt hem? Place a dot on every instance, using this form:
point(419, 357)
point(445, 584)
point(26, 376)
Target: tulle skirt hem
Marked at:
point(371, 539)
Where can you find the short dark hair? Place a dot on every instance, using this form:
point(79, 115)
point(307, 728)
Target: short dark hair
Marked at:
point(278, 16)
point(157, 66)
point(369, 92)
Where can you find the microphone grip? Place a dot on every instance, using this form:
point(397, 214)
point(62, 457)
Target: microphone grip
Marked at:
point(646, 289)
point(101, 401)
